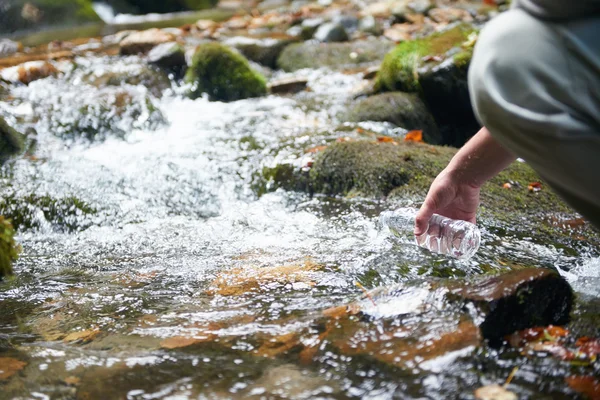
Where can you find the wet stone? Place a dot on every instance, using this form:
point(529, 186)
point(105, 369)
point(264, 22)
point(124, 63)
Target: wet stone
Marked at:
point(12, 142)
point(144, 41)
point(369, 24)
point(331, 32)
point(287, 86)
point(264, 51)
point(29, 72)
point(9, 47)
point(169, 56)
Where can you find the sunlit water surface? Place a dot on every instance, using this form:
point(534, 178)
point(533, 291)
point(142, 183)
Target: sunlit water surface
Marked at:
point(176, 207)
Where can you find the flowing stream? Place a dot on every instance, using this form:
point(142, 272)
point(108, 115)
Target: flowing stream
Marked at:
point(175, 209)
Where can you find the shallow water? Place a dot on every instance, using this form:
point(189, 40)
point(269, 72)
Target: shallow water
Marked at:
point(176, 208)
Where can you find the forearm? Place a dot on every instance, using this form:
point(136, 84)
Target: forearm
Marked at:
point(479, 160)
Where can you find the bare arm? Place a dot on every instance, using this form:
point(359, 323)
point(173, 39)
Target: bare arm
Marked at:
point(455, 192)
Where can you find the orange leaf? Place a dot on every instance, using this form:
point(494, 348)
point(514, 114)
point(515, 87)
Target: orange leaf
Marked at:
point(9, 367)
point(385, 139)
point(507, 186)
point(587, 385)
point(590, 348)
point(414, 136)
point(534, 187)
point(489, 2)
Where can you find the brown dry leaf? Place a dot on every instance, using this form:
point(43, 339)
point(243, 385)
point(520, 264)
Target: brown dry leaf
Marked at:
point(177, 342)
point(341, 311)
point(587, 385)
point(10, 366)
point(72, 380)
point(82, 336)
point(241, 280)
point(534, 187)
point(494, 392)
point(414, 136)
point(35, 71)
point(489, 2)
point(432, 58)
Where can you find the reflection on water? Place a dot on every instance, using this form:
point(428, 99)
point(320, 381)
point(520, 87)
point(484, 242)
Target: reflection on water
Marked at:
point(127, 307)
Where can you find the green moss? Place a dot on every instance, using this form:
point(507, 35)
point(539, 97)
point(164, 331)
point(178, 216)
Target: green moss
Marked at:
point(399, 70)
point(223, 74)
point(463, 58)
point(11, 141)
point(64, 214)
point(9, 250)
point(333, 55)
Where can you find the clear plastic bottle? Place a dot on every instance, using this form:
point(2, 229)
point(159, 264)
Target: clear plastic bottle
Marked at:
point(454, 238)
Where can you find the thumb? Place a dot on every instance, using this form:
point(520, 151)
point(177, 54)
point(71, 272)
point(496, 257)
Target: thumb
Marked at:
point(422, 218)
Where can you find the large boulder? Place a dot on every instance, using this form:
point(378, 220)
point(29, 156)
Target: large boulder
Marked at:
point(11, 141)
point(436, 67)
point(405, 110)
point(223, 74)
point(332, 55)
point(9, 250)
point(19, 15)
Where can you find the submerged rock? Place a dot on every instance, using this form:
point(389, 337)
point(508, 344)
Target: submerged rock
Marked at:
point(333, 55)
point(111, 112)
point(405, 110)
point(152, 78)
point(11, 141)
point(223, 74)
point(9, 250)
point(411, 324)
point(19, 15)
point(287, 86)
point(436, 67)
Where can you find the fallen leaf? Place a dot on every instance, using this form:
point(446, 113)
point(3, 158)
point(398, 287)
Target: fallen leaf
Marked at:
point(82, 336)
point(554, 349)
point(589, 347)
point(489, 2)
point(587, 385)
point(385, 139)
point(278, 345)
point(548, 333)
point(534, 187)
point(10, 366)
point(432, 58)
point(72, 380)
point(507, 186)
point(414, 136)
point(494, 392)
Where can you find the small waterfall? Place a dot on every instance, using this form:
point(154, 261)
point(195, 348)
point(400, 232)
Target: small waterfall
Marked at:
point(104, 11)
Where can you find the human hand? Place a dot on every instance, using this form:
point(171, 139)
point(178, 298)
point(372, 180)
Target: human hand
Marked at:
point(449, 196)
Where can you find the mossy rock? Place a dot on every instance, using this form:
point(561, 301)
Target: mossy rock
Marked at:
point(9, 250)
point(63, 214)
point(153, 78)
point(436, 67)
point(405, 110)
point(333, 55)
point(35, 14)
point(11, 141)
point(223, 74)
point(111, 113)
point(405, 170)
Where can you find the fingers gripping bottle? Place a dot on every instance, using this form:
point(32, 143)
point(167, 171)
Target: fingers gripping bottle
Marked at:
point(451, 237)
